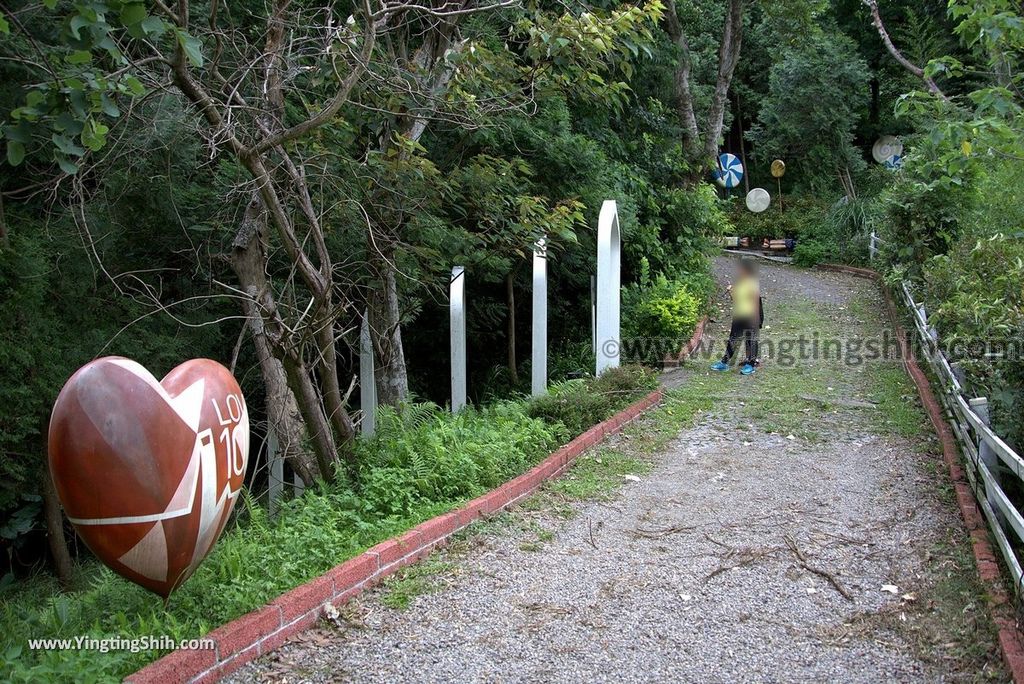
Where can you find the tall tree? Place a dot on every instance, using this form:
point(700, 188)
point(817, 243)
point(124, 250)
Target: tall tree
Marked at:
point(267, 86)
point(702, 134)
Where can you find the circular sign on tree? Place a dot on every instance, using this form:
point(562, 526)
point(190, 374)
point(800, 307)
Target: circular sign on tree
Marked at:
point(729, 172)
point(758, 200)
point(148, 471)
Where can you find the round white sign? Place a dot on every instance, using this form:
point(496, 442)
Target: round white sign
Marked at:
point(758, 200)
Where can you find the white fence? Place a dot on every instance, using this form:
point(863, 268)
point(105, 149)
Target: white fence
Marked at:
point(990, 462)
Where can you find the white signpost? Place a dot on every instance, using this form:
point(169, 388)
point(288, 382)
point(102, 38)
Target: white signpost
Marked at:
point(367, 381)
point(540, 318)
point(457, 318)
point(608, 287)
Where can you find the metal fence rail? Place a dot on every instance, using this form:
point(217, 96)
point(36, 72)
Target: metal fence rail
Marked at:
point(990, 461)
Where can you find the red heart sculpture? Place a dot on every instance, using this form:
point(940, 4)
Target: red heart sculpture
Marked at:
point(149, 471)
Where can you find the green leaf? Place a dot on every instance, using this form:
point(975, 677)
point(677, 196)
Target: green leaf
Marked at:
point(15, 152)
point(134, 86)
point(108, 106)
point(79, 57)
point(134, 13)
point(94, 135)
point(67, 145)
point(66, 123)
point(5, 27)
point(65, 164)
point(153, 26)
point(192, 48)
point(78, 22)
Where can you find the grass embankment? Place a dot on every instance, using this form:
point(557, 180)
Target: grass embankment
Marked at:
point(421, 463)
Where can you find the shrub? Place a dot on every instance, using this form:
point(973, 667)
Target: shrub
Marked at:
point(424, 455)
point(841, 235)
point(922, 217)
point(812, 252)
point(579, 404)
point(571, 405)
point(658, 316)
point(682, 228)
point(974, 297)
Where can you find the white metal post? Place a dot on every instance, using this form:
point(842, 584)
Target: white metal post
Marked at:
point(608, 286)
point(539, 366)
point(457, 321)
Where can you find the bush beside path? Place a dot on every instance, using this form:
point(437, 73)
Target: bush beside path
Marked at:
point(794, 525)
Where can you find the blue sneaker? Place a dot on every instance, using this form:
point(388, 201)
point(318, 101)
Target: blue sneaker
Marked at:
point(747, 369)
point(719, 366)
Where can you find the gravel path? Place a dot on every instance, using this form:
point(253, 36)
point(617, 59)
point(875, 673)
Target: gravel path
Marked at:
point(745, 553)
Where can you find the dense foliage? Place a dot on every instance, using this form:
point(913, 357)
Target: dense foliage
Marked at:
point(578, 404)
point(660, 314)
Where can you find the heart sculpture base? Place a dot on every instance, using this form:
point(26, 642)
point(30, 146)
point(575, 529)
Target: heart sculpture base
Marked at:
point(148, 471)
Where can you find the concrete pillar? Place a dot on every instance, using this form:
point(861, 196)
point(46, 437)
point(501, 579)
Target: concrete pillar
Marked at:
point(276, 479)
point(367, 381)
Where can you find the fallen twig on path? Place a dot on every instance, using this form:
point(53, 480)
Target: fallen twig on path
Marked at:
point(816, 570)
point(839, 401)
point(590, 530)
point(746, 555)
point(664, 532)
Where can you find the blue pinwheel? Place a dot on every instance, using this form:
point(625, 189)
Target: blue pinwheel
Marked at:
point(729, 172)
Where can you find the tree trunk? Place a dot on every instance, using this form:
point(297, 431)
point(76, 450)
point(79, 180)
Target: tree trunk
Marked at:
point(743, 145)
point(728, 58)
point(684, 96)
point(312, 411)
point(510, 293)
point(283, 413)
point(55, 531)
point(249, 263)
point(701, 146)
point(386, 332)
point(338, 417)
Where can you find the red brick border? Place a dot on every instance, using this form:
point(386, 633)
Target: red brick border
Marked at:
point(688, 348)
point(266, 628)
point(1011, 640)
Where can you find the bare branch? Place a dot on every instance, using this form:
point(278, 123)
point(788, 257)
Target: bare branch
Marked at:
point(876, 18)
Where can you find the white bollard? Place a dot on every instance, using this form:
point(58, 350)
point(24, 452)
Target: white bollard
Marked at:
point(539, 367)
point(367, 380)
point(608, 287)
point(457, 319)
